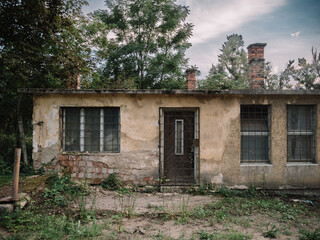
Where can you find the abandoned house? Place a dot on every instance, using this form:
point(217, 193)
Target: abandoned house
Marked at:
point(182, 137)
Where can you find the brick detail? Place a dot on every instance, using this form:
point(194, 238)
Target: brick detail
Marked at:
point(83, 167)
point(191, 79)
point(256, 65)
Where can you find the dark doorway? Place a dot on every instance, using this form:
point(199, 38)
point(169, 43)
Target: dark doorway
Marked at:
point(180, 142)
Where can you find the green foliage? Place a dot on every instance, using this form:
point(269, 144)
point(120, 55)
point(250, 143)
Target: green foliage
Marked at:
point(203, 189)
point(231, 71)
point(39, 226)
point(7, 148)
point(271, 232)
point(306, 74)
point(20, 220)
point(61, 190)
point(149, 44)
point(41, 47)
point(112, 182)
point(310, 235)
point(204, 235)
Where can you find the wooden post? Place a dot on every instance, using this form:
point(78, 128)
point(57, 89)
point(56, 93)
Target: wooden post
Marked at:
point(16, 171)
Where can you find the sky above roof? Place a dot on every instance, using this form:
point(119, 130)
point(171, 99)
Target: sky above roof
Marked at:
point(289, 27)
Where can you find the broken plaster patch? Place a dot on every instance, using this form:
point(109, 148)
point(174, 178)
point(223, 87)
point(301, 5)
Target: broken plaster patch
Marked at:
point(218, 179)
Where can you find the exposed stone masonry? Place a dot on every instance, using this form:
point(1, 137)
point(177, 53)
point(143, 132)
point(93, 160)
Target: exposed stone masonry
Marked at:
point(83, 167)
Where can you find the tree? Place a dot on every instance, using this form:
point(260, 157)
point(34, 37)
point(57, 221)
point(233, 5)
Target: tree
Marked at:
point(40, 46)
point(308, 74)
point(231, 71)
point(149, 41)
point(278, 81)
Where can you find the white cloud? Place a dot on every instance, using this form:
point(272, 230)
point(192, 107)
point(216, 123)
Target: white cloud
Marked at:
point(275, 70)
point(296, 34)
point(213, 18)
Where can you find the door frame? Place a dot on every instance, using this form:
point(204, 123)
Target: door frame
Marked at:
point(196, 111)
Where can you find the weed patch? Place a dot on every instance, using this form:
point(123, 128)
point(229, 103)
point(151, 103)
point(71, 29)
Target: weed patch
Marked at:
point(204, 235)
point(271, 232)
point(61, 190)
point(310, 235)
point(112, 182)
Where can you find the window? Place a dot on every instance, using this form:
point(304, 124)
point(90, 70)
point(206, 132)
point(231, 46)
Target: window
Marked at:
point(255, 125)
point(179, 137)
point(91, 129)
point(300, 133)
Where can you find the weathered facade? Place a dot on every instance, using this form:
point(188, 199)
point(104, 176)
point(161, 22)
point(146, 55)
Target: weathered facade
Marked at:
point(237, 137)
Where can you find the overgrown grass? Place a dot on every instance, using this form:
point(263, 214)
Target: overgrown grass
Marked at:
point(28, 225)
point(38, 222)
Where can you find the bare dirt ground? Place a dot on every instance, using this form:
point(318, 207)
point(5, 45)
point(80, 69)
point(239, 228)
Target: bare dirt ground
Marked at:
point(145, 202)
point(147, 222)
point(156, 215)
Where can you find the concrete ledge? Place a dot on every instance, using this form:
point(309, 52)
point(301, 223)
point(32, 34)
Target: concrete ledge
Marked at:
point(300, 164)
point(256, 165)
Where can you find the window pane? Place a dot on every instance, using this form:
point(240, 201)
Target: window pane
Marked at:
point(300, 130)
point(254, 118)
point(254, 148)
point(111, 130)
point(300, 118)
point(300, 148)
point(72, 129)
point(179, 137)
point(92, 130)
point(254, 133)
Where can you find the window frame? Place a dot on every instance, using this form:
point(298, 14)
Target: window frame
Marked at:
point(256, 133)
point(82, 130)
point(301, 133)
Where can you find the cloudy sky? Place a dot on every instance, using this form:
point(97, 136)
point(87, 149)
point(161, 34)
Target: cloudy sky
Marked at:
point(289, 27)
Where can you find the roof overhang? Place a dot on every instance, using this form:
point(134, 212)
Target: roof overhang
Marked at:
point(260, 92)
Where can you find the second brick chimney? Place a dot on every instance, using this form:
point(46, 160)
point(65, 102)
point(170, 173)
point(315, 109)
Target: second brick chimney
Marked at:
point(191, 78)
point(256, 65)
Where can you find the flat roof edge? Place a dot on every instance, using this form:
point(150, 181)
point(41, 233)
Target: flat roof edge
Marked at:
point(170, 92)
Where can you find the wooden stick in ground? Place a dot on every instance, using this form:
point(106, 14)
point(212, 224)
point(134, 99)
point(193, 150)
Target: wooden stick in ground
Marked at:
point(16, 171)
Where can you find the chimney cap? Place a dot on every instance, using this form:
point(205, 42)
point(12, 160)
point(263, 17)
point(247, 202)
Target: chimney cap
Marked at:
point(256, 45)
point(191, 70)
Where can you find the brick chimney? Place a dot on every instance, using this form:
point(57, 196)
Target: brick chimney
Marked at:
point(191, 78)
point(74, 82)
point(256, 65)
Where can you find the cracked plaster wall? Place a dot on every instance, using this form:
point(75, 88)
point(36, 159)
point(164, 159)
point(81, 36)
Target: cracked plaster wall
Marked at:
point(219, 137)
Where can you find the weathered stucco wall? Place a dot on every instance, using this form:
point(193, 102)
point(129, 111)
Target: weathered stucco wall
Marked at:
point(138, 160)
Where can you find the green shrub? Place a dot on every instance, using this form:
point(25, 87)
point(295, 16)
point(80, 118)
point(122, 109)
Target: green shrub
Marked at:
point(61, 190)
point(112, 182)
